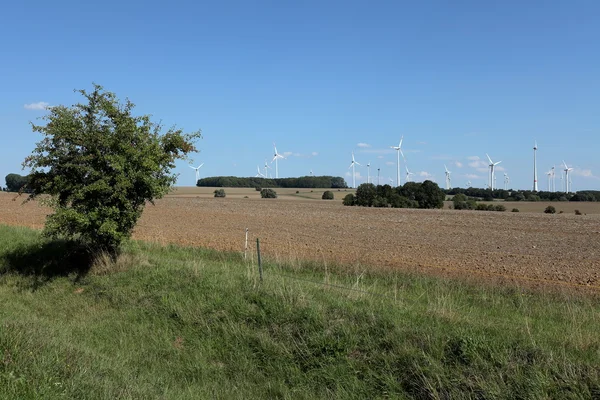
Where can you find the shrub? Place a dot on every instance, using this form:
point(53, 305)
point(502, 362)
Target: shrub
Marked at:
point(297, 191)
point(349, 200)
point(327, 195)
point(515, 210)
point(219, 193)
point(100, 165)
point(500, 207)
point(561, 211)
point(491, 207)
point(550, 210)
point(481, 207)
point(577, 212)
point(258, 188)
point(268, 194)
point(379, 201)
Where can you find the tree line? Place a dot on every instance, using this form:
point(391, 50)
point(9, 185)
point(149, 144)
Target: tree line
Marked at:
point(524, 195)
point(325, 182)
point(410, 195)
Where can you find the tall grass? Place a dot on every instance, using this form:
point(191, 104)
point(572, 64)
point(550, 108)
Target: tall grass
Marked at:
point(183, 323)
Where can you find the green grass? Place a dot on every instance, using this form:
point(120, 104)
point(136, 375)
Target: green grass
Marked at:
point(184, 323)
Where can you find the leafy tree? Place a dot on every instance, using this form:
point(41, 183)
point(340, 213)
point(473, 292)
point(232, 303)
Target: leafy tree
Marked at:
point(16, 182)
point(500, 207)
point(349, 200)
point(327, 195)
point(515, 210)
point(365, 194)
point(268, 194)
point(219, 193)
point(100, 164)
point(432, 196)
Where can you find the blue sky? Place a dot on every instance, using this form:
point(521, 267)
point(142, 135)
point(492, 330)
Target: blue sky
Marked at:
point(322, 79)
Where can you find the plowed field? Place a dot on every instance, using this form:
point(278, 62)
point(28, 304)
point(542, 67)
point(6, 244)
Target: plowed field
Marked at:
point(529, 248)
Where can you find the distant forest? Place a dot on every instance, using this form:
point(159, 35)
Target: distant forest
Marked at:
point(316, 182)
point(525, 195)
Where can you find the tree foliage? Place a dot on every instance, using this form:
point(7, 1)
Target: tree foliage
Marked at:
point(268, 194)
point(16, 182)
point(410, 195)
point(220, 193)
point(100, 165)
point(314, 182)
point(327, 195)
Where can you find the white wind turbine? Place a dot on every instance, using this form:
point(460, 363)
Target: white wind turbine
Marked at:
point(369, 172)
point(549, 174)
point(276, 156)
point(492, 175)
point(197, 169)
point(447, 177)
point(567, 182)
point(353, 174)
point(259, 174)
point(311, 173)
point(408, 173)
point(399, 150)
point(506, 181)
point(468, 184)
point(554, 178)
point(378, 170)
point(266, 169)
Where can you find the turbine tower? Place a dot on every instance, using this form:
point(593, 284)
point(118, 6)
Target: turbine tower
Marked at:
point(353, 174)
point(506, 181)
point(447, 177)
point(197, 172)
point(276, 156)
point(399, 150)
point(549, 174)
point(535, 183)
point(492, 175)
point(567, 182)
point(266, 168)
point(369, 172)
point(378, 170)
point(553, 178)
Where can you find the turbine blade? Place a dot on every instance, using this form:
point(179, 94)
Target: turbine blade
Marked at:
point(351, 164)
point(200, 166)
point(191, 167)
point(400, 144)
point(491, 162)
point(357, 163)
point(498, 163)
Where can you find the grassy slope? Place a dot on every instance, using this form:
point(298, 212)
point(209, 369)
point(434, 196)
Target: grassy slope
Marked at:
point(177, 323)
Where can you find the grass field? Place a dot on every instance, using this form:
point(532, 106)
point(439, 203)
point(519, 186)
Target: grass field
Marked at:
point(185, 323)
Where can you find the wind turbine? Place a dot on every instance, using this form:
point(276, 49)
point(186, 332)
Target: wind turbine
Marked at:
point(492, 175)
point(378, 170)
point(506, 181)
point(276, 156)
point(399, 150)
point(553, 179)
point(369, 172)
point(549, 173)
point(353, 174)
point(258, 175)
point(408, 173)
point(311, 173)
point(567, 182)
point(197, 172)
point(266, 168)
point(468, 184)
point(447, 177)
point(535, 183)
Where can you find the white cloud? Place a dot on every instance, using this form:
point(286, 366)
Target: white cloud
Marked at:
point(473, 158)
point(363, 145)
point(380, 157)
point(473, 176)
point(390, 163)
point(586, 173)
point(287, 153)
point(499, 168)
point(40, 105)
point(357, 174)
point(422, 143)
point(458, 164)
point(425, 174)
point(314, 154)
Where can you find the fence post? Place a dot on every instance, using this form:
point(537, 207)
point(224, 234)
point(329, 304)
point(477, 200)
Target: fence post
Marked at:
point(260, 271)
point(246, 245)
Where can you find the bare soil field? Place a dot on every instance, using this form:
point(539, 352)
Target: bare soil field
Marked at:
point(529, 248)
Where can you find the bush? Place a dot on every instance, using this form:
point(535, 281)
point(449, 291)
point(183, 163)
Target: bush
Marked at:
point(349, 200)
point(219, 193)
point(258, 188)
point(268, 194)
point(327, 195)
point(100, 165)
point(297, 191)
point(481, 207)
point(550, 210)
point(515, 210)
point(577, 212)
point(491, 207)
point(500, 207)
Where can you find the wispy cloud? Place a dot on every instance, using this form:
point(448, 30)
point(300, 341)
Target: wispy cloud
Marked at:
point(314, 154)
point(458, 164)
point(380, 157)
point(287, 153)
point(40, 105)
point(473, 176)
point(422, 143)
point(425, 174)
point(363, 145)
point(473, 158)
point(585, 173)
point(357, 174)
point(390, 163)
